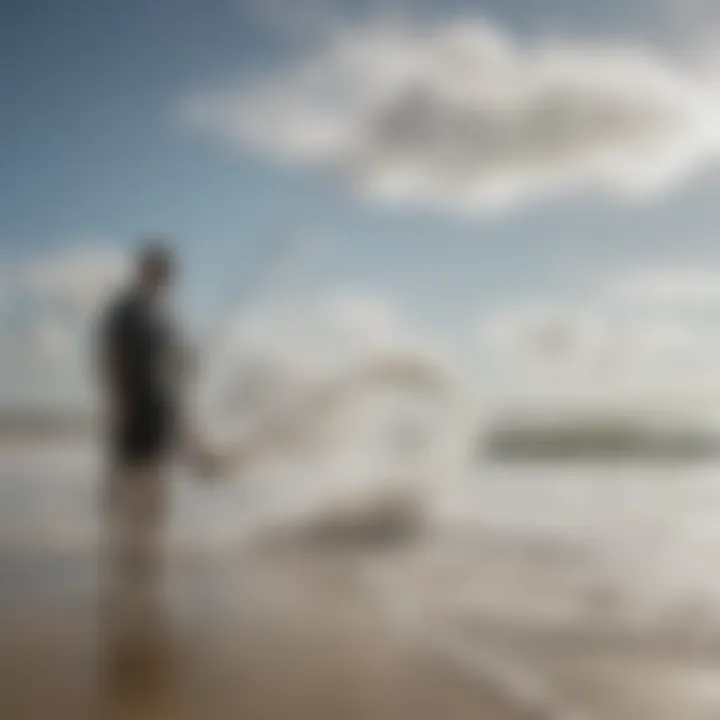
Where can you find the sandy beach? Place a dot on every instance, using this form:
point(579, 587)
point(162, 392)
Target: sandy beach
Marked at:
point(295, 633)
point(301, 623)
point(289, 636)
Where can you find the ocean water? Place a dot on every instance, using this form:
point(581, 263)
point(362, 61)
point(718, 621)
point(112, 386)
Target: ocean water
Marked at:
point(556, 589)
point(624, 545)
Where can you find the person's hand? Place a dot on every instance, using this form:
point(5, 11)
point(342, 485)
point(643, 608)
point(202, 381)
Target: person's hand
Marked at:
point(207, 464)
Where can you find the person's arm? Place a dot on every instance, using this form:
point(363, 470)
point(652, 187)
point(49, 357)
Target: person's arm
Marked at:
point(193, 448)
point(109, 361)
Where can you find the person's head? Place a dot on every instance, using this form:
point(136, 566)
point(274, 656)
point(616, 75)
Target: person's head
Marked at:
point(155, 270)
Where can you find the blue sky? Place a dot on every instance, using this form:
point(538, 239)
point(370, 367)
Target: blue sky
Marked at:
point(96, 150)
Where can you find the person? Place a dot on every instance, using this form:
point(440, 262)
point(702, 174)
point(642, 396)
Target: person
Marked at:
point(142, 369)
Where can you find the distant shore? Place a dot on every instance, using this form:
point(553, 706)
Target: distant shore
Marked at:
point(516, 441)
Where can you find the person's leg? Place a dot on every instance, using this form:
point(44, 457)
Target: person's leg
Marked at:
point(135, 514)
point(133, 610)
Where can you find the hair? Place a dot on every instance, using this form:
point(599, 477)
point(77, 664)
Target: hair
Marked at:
point(154, 254)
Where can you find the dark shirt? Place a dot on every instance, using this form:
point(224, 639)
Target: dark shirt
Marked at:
point(138, 341)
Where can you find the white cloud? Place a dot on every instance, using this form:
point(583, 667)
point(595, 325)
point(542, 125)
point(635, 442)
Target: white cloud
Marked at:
point(77, 280)
point(48, 304)
point(466, 117)
point(320, 337)
point(51, 339)
point(640, 340)
point(319, 362)
point(669, 286)
point(537, 334)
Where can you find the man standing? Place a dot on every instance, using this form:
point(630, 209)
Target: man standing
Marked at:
point(143, 368)
point(139, 368)
point(140, 373)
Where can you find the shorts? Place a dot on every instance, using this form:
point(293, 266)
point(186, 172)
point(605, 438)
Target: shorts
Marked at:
point(146, 434)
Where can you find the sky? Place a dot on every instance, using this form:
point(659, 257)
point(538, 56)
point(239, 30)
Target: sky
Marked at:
point(533, 183)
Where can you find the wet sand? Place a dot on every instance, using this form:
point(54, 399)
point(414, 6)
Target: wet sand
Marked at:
point(290, 635)
point(308, 626)
point(295, 633)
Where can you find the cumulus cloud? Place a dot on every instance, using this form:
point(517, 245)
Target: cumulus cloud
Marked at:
point(551, 336)
point(307, 342)
point(689, 287)
point(293, 376)
point(639, 338)
point(76, 280)
point(469, 118)
point(47, 306)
